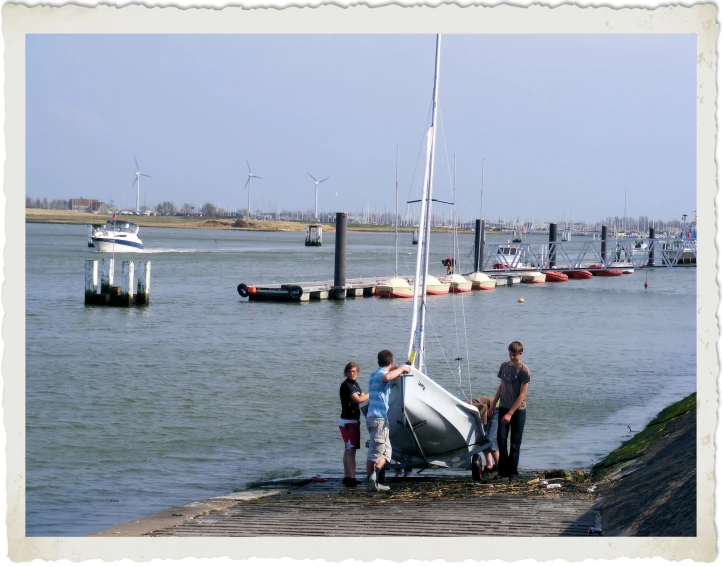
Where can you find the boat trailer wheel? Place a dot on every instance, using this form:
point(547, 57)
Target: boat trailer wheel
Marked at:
point(476, 468)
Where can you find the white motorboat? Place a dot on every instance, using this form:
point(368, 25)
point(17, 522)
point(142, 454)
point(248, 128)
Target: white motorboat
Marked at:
point(117, 236)
point(428, 425)
point(479, 280)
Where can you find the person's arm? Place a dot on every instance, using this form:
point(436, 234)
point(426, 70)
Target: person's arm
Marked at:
point(517, 403)
point(359, 398)
point(395, 373)
point(496, 399)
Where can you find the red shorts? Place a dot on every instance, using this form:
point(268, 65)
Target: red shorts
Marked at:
point(351, 434)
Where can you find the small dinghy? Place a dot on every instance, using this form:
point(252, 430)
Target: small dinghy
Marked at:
point(480, 280)
point(554, 276)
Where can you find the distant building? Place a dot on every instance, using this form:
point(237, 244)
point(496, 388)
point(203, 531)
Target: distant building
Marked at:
point(85, 205)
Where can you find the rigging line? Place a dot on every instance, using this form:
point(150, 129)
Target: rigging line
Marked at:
point(422, 145)
point(441, 348)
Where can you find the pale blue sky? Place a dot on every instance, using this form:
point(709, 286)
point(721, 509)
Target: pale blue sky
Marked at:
point(562, 122)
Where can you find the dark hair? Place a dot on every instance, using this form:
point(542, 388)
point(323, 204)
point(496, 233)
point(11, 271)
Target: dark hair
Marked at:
point(516, 347)
point(349, 366)
point(385, 357)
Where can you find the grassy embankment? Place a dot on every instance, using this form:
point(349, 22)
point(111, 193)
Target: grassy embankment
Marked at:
point(70, 217)
point(648, 486)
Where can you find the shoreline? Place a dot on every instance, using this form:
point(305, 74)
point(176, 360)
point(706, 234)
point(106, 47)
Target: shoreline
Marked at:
point(645, 487)
point(47, 216)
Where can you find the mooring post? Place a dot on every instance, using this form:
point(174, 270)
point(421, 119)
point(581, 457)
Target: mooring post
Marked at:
point(143, 295)
point(126, 297)
point(604, 245)
point(552, 244)
point(339, 272)
point(106, 274)
point(91, 281)
point(479, 246)
point(651, 246)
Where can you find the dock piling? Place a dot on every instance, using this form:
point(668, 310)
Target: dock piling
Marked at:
point(650, 262)
point(479, 245)
point(604, 245)
point(106, 274)
point(552, 244)
point(338, 290)
point(143, 293)
point(91, 281)
point(128, 278)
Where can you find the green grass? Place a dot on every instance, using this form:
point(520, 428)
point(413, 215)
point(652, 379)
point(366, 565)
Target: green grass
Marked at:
point(655, 429)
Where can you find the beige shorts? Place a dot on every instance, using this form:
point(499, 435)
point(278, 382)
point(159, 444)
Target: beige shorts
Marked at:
point(379, 444)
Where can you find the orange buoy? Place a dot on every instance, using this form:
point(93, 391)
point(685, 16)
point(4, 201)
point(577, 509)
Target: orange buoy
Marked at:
point(252, 289)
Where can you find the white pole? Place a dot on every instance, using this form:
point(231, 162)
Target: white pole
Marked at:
point(396, 243)
point(127, 282)
point(106, 276)
point(91, 278)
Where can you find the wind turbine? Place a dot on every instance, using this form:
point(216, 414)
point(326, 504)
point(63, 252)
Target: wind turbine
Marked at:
point(316, 184)
point(138, 175)
point(248, 184)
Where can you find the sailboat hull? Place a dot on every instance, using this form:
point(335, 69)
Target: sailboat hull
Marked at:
point(429, 426)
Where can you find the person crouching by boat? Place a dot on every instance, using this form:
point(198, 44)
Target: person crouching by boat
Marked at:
point(349, 424)
point(376, 417)
point(449, 263)
point(490, 421)
point(511, 395)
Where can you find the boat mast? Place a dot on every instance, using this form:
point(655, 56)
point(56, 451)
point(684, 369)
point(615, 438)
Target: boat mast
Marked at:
point(416, 342)
point(396, 243)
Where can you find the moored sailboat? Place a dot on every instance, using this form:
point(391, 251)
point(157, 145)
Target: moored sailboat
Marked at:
point(428, 425)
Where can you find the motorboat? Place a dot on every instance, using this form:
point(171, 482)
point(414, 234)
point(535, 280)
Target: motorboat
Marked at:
point(480, 280)
point(117, 236)
point(508, 256)
point(533, 277)
point(457, 283)
point(429, 426)
point(554, 276)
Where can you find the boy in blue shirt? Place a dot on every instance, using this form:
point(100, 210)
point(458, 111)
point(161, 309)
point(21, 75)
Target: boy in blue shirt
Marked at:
point(376, 417)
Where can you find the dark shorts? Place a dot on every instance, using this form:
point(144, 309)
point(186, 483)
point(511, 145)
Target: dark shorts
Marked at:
point(351, 433)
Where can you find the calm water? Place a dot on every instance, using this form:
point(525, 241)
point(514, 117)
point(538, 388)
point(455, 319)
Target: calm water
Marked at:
point(131, 411)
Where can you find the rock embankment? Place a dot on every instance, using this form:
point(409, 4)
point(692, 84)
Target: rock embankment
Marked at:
point(648, 487)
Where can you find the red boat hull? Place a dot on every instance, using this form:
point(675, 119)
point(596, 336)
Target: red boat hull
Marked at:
point(578, 274)
point(553, 276)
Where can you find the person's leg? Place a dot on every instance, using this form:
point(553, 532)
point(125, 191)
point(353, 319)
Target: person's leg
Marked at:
point(517, 430)
point(501, 439)
point(493, 434)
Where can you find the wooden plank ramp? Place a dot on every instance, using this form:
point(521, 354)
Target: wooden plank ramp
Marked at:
point(331, 510)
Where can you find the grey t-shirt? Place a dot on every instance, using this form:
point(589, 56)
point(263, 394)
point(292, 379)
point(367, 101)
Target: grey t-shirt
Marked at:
point(512, 377)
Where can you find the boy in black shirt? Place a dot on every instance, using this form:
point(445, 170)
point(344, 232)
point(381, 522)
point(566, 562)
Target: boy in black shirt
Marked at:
point(351, 397)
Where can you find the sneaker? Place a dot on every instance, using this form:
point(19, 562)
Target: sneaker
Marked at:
point(373, 485)
point(513, 477)
point(383, 487)
point(350, 482)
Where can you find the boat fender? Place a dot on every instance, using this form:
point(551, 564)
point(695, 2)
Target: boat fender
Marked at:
point(251, 290)
point(295, 292)
point(242, 290)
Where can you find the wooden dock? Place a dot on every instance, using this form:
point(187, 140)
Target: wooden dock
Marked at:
point(312, 291)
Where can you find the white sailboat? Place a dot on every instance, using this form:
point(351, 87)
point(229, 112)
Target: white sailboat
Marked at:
point(428, 425)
